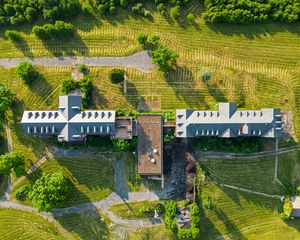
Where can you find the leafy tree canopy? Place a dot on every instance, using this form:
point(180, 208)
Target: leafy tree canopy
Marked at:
point(164, 57)
point(26, 72)
point(49, 192)
point(7, 97)
point(14, 161)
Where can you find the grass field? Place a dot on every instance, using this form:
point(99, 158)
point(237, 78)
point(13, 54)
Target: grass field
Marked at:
point(19, 225)
point(130, 210)
point(91, 179)
point(239, 215)
point(256, 65)
point(256, 174)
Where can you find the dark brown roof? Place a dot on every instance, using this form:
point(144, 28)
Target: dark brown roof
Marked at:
point(150, 144)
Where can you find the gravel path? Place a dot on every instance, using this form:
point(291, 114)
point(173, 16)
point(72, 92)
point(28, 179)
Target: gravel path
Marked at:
point(141, 61)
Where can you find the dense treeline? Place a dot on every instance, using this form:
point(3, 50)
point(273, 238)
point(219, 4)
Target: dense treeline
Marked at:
point(247, 11)
point(15, 12)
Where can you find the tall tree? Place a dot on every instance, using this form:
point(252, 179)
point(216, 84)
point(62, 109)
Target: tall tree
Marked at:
point(49, 192)
point(7, 97)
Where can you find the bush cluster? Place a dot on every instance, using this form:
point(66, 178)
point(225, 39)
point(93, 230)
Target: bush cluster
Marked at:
point(15, 12)
point(27, 72)
point(247, 11)
point(7, 98)
point(14, 36)
point(170, 214)
point(244, 145)
point(59, 30)
point(124, 145)
point(85, 85)
point(12, 162)
point(117, 75)
point(194, 231)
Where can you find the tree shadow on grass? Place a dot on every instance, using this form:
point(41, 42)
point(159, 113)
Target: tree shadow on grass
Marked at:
point(24, 48)
point(69, 47)
point(86, 225)
point(255, 30)
point(183, 83)
point(216, 92)
point(40, 86)
point(132, 96)
point(99, 98)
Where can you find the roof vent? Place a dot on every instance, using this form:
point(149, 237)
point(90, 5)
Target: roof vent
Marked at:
point(152, 160)
point(155, 151)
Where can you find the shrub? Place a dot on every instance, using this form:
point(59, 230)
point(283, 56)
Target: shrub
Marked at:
point(154, 39)
point(287, 207)
point(82, 68)
point(123, 3)
point(22, 192)
point(86, 86)
point(138, 8)
point(175, 12)
point(7, 98)
point(205, 75)
point(161, 8)
point(121, 145)
point(49, 191)
point(13, 161)
point(207, 202)
point(117, 75)
point(147, 14)
point(146, 209)
point(68, 85)
point(87, 9)
point(13, 36)
point(26, 72)
point(112, 10)
point(160, 208)
point(168, 137)
point(190, 17)
point(142, 38)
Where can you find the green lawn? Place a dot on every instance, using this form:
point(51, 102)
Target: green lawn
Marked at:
point(87, 225)
point(256, 174)
point(91, 179)
point(19, 225)
point(239, 215)
point(130, 210)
